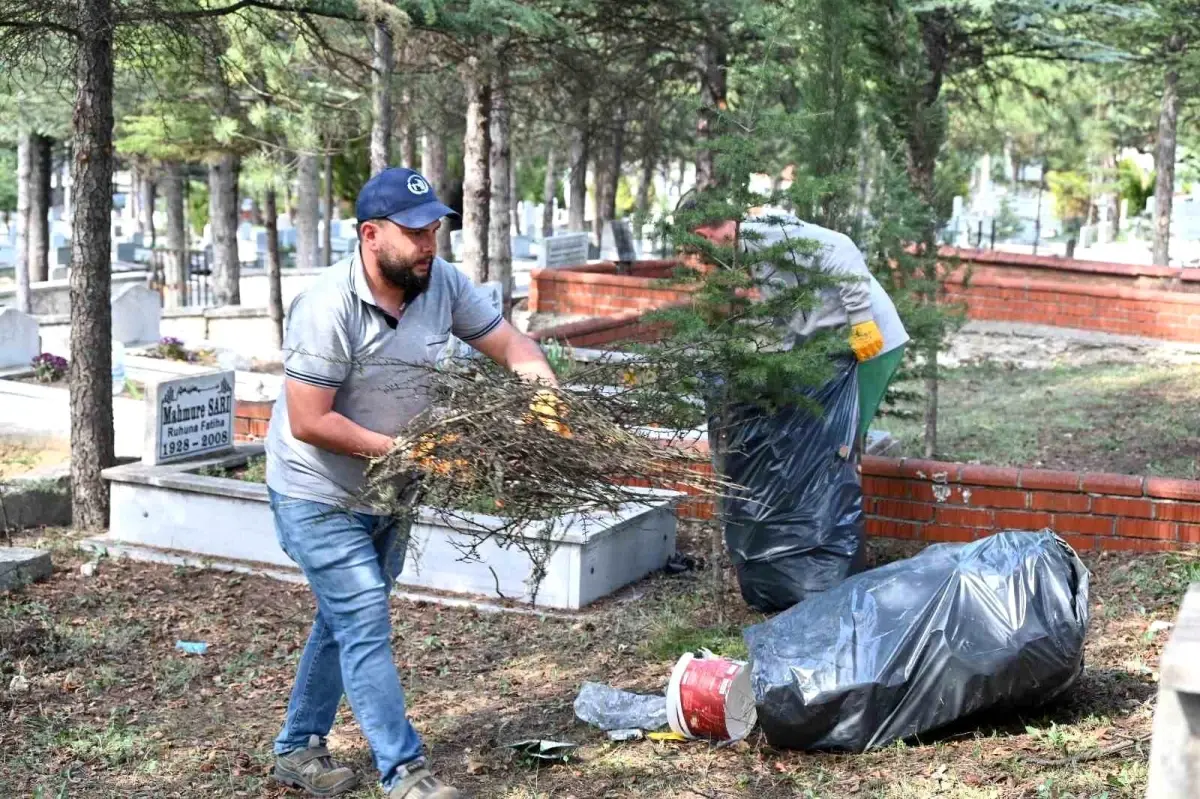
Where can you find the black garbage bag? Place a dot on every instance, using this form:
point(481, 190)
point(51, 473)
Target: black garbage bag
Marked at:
point(795, 525)
point(914, 645)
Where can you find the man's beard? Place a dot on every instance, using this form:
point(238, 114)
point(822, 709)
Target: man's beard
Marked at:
point(402, 275)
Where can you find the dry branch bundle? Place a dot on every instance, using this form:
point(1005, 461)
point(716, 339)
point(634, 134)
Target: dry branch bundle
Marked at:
point(489, 457)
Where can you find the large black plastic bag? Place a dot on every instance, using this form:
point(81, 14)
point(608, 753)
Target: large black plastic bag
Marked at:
point(795, 525)
point(914, 645)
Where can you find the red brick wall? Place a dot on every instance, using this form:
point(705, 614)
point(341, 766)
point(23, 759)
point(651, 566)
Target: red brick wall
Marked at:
point(597, 289)
point(935, 501)
point(604, 331)
point(1095, 273)
point(250, 420)
point(1149, 301)
point(1170, 315)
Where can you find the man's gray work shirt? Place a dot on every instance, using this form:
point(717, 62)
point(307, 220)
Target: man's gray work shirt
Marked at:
point(338, 337)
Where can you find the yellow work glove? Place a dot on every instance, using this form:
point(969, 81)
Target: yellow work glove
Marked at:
point(422, 454)
point(866, 340)
point(549, 410)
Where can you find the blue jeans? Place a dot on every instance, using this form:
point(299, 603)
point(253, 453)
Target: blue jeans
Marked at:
point(351, 561)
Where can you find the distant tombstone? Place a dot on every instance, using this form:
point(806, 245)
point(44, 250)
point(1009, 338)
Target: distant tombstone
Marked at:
point(136, 315)
point(127, 251)
point(616, 242)
point(456, 238)
point(19, 343)
point(1087, 236)
point(566, 249)
point(531, 219)
point(522, 247)
point(189, 417)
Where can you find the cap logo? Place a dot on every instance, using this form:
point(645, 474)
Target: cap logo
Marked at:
point(417, 185)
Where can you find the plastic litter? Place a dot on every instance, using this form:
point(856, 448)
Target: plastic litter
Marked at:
point(192, 647)
point(909, 647)
point(621, 736)
point(796, 525)
point(543, 751)
point(612, 709)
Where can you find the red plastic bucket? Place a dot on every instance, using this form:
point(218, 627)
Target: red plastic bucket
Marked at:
point(710, 697)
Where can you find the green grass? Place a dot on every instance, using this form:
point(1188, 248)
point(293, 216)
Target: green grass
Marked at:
point(1129, 419)
point(254, 470)
point(678, 627)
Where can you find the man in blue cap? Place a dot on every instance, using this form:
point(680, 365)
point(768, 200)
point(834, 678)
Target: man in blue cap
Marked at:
point(358, 342)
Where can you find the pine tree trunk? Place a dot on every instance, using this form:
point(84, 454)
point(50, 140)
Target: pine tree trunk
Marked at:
point(549, 192)
point(712, 59)
point(146, 207)
point(1164, 159)
point(274, 272)
point(476, 180)
point(90, 365)
point(21, 267)
point(643, 196)
point(408, 132)
point(176, 261)
point(931, 402)
point(716, 551)
point(616, 164)
point(381, 99)
point(433, 167)
point(514, 192)
point(500, 209)
point(41, 163)
point(223, 219)
point(600, 179)
point(307, 189)
point(577, 210)
point(327, 210)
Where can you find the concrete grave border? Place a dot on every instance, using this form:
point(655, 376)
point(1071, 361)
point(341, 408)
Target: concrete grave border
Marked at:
point(171, 511)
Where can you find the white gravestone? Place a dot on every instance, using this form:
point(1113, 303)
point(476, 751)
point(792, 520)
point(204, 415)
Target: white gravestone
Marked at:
point(566, 249)
point(136, 315)
point(19, 342)
point(189, 417)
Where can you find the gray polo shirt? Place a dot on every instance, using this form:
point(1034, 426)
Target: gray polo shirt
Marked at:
point(338, 337)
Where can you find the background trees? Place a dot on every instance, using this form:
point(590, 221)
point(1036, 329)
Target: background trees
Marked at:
point(609, 108)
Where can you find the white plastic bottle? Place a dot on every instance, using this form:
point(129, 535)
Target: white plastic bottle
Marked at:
point(118, 367)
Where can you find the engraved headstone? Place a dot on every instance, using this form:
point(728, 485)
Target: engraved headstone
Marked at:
point(189, 417)
point(566, 249)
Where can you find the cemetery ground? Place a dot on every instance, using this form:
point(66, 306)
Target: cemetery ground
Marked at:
point(1076, 403)
point(106, 707)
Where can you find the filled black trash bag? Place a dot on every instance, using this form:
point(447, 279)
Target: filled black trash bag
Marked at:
point(914, 645)
point(795, 525)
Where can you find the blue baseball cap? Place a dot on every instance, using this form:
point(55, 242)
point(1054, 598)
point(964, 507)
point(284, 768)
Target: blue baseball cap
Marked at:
point(402, 195)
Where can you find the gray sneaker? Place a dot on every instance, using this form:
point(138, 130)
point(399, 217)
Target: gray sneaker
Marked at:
point(314, 770)
point(421, 784)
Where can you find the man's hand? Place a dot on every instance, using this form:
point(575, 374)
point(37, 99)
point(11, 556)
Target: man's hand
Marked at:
point(549, 409)
point(866, 340)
